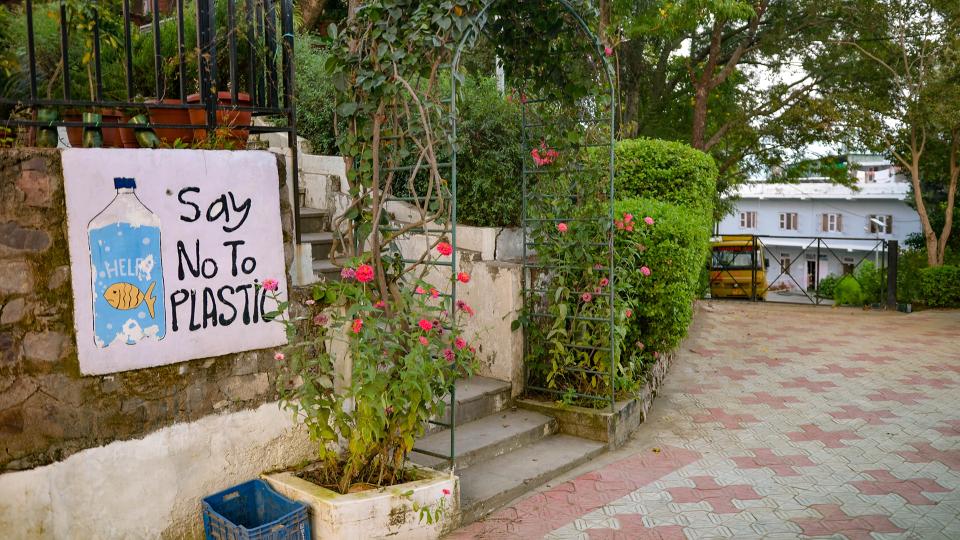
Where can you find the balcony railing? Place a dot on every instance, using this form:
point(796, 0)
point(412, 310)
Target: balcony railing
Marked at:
point(217, 62)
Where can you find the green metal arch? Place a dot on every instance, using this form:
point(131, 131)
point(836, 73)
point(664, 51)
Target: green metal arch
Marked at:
point(468, 38)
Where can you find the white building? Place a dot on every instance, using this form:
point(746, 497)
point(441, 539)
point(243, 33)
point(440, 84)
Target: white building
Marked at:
point(792, 220)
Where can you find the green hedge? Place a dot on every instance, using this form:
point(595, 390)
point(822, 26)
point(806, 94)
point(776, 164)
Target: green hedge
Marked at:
point(675, 249)
point(940, 286)
point(489, 159)
point(666, 171)
point(316, 95)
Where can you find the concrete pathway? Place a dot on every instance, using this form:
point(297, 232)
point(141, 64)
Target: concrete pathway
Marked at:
point(778, 421)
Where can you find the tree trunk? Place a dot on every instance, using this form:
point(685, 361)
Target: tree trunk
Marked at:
point(951, 194)
point(929, 236)
point(312, 11)
point(699, 127)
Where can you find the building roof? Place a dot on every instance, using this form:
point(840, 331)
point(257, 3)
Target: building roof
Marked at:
point(823, 190)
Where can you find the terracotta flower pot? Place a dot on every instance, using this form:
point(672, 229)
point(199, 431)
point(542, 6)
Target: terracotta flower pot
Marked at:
point(113, 137)
point(234, 120)
point(179, 115)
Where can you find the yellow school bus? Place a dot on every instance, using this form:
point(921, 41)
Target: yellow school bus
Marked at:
point(732, 264)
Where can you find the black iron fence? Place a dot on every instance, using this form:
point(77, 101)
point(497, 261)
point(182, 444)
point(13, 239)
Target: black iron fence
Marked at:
point(798, 269)
point(92, 64)
point(190, 73)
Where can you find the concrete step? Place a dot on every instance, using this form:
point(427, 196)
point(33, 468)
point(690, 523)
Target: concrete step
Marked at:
point(326, 270)
point(487, 486)
point(314, 220)
point(486, 438)
point(476, 397)
point(320, 243)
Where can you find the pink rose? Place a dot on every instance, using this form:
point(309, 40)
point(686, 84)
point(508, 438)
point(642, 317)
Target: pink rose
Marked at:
point(380, 304)
point(586, 297)
point(608, 51)
point(357, 325)
point(627, 218)
point(434, 293)
point(270, 284)
point(604, 282)
point(446, 491)
point(320, 319)
point(444, 248)
point(419, 290)
point(562, 227)
point(424, 341)
point(425, 325)
point(279, 356)
point(645, 271)
point(629, 313)
point(448, 354)
point(463, 277)
point(463, 306)
point(460, 343)
point(648, 220)
point(364, 273)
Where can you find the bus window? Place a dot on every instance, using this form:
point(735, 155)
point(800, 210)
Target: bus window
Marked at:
point(734, 259)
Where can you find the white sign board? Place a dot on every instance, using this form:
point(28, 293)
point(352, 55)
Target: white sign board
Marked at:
point(166, 250)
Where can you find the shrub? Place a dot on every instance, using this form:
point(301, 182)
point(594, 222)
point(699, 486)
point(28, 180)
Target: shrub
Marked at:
point(666, 171)
point(848, 292)
point(940, 286)
point(828, 286)
point(316, 97)
point(489, 159)
point(675, 249)
point(872, 282)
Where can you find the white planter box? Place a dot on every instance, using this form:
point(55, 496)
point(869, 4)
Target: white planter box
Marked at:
point(376, 513)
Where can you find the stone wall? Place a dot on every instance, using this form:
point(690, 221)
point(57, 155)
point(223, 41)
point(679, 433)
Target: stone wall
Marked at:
point(48, 411)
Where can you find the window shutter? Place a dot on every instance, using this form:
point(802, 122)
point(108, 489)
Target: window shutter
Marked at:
point(823, 222)
point(889, 225)
point(839, 222)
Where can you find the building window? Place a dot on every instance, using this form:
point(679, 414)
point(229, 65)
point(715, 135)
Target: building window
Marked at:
point(848, 266)
point(831, 223)
point(788, 221)
point(748, 220)
point(880, 224)
point(785, 262)
point(871, 176)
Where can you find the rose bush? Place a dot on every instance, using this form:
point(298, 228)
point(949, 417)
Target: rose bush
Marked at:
point(405, 353)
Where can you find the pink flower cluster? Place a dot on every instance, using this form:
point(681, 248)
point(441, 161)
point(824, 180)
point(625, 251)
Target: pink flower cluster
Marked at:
point(270, 284)
point(363, 273)
point(544, 155)
point(625, 224)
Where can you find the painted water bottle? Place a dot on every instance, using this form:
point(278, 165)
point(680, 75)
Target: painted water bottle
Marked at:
point(128, 299)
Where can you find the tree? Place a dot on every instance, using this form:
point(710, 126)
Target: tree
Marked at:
point(908, 102)
point(740, 79)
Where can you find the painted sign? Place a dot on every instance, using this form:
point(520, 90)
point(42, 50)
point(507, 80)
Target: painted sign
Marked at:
point(167, 248)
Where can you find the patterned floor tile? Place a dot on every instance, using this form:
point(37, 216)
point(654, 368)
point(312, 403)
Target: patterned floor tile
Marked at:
point(817, 423)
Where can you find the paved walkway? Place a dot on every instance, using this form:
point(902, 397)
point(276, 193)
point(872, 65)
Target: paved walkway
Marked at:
point(778, 421)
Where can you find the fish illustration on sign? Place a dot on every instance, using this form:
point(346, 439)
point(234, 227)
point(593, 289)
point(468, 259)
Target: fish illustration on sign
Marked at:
point(127, 296)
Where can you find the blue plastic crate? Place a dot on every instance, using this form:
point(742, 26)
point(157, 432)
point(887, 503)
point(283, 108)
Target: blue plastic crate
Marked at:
point(254, 511)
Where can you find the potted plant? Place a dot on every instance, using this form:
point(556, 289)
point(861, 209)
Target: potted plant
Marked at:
point(234, 120)
point(404, 353)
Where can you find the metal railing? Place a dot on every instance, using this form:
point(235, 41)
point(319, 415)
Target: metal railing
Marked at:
point(764, 247)
point(218, 60)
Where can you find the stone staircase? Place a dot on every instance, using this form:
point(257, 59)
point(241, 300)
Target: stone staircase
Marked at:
point(315, 227)
point(502, 452)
